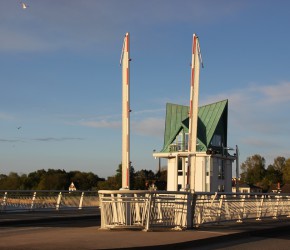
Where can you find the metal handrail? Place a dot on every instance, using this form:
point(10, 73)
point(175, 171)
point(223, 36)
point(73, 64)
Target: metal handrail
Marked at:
point(149, 209)
point(24, 200)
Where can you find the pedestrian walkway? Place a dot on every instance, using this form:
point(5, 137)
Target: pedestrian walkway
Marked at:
point(18, 218)
point(69, 236)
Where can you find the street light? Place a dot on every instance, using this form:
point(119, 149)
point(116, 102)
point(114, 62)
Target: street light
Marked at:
point(237, 169)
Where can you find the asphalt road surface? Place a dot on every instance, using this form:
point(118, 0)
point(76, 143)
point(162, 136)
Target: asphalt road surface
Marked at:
point(84, 232)
point(278, 240)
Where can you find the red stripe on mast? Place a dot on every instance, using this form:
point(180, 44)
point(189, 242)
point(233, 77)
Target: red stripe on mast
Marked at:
point(127, 44)
point(192, 77)
point(194, 43)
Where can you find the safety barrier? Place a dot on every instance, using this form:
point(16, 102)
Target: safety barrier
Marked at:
point(218, 207)
point(145, 209)
point(179, 210)
point(18, 200)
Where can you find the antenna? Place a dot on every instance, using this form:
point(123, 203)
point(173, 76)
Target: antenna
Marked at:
point(122, 52)
point(199, 55)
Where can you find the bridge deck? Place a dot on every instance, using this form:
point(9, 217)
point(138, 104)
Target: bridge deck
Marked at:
point(82, 231)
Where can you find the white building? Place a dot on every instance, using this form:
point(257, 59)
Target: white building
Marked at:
point(213, 163)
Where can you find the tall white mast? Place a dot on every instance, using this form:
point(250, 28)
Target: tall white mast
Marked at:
point(125, 61)
point(193, 112)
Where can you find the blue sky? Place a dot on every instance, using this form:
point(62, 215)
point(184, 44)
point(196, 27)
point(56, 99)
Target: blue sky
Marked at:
point(60, 98)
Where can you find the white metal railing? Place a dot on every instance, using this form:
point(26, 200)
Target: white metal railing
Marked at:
point(145, 209)
point(150, 209)
point(218, 207)
point(18, 200)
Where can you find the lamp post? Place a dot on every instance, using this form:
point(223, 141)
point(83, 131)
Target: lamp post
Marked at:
point(237, 169)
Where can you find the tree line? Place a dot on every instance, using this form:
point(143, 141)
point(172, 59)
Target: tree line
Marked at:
point(56, 179)
point(254, 172)
point(139, 180)
point(49, 180)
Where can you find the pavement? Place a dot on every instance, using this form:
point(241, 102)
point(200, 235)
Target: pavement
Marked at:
point(81, 230)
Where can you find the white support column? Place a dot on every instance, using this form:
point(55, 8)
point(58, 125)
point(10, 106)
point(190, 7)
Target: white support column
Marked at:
point(172, 176)
point(125, 61)
point(193, 113)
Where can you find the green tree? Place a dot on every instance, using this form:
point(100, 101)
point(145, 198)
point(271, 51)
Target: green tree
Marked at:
point(33, 179)
point(83, 180)
point(11, 182)
point(142, 177)
point(253, 170)
point(273, 175)
point(54, 180)
point(3, 178)
point(286, 171)
point(109, 184)
point(161, 179)
point(279, 164)
point(118, 176)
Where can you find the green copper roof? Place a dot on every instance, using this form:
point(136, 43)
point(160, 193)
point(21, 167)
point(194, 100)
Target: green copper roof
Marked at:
point(212, 118)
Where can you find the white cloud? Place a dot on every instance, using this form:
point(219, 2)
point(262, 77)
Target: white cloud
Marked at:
point(5, 116)
point(49, 139)
point(18, 38)
point(274, 94)
point(148, 111)
point(72, 24)
point(101, 124)
point(258, 118)
point(11, 140)
point(149, 126)
point(146, 125)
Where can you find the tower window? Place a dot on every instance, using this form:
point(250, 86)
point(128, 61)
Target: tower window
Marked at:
point(216, 141)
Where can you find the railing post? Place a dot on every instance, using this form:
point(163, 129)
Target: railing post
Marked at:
point(32, 201)
point(58, 201)
point(276, 207)
point(102, 210)
point(226, 205)
point(4, 202)
point(288, 206)
point(81, 201)
point(159, 216)
point(191, 198)
point(137, 209)
point(194, 209)
point(260, 208)
point(220, 208)
point(148, 212)
point(127, 198)
point(242, 209)
point(114, 209)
